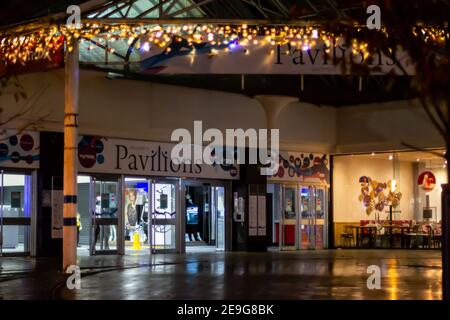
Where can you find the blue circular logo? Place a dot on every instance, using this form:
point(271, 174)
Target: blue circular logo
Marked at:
point(4, 150)
point(100, 159)
point(13, 140)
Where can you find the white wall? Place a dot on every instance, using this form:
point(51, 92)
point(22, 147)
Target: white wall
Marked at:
point(385, 127)
point(138, 109)
point(149, 111)
point(346, 186)
point(305, 127)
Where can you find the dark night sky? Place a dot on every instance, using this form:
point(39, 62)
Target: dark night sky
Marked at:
point(13, 11)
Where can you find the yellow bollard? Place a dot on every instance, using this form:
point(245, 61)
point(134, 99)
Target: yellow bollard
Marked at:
point(136, 241)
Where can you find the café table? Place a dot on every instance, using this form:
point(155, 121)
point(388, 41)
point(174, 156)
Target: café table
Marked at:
point(402, 229)
point(359, 229)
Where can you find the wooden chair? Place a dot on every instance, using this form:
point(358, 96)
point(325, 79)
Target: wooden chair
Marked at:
point(347, 237)
point(382, 236)
point(436, 237)
point(412, 238)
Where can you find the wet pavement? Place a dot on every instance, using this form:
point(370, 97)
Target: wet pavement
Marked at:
point(326, 274)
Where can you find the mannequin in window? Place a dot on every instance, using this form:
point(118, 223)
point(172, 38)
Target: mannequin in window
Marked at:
point(131, 211)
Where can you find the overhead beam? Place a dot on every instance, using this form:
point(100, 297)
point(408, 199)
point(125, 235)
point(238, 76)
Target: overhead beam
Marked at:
point(176, 21)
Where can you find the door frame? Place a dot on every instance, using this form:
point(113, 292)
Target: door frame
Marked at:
point(281, 232)
point(21, 221)
point(214, 193)
point(198, 182)
point(298, 230)
point(178, 217)
point(120, 241)
point(149, 182)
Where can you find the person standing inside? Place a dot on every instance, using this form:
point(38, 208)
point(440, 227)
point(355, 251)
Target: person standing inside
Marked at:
point(79, 227)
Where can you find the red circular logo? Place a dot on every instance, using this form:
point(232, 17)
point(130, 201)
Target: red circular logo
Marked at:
point(427, 181)
point(280, 172)
point(26, 142)
point(87, 156)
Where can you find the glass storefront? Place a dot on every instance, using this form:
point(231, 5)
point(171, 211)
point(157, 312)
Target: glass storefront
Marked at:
point(138, 215)
point(388, 200)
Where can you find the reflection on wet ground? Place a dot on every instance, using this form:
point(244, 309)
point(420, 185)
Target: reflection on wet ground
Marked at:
point(327, 274)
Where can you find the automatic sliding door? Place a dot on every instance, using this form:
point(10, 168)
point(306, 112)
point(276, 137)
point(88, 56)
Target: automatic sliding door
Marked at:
point(320, 202)
point(219, 212)
point(15, 213)
point(136, 214)
point(289, 221)
point(105, 212)
point(313, 222)
point(164, 216)
point(307, 218)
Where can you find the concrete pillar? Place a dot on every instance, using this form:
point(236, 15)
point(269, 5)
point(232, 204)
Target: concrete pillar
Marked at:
point(70, 157)
point(273, 106)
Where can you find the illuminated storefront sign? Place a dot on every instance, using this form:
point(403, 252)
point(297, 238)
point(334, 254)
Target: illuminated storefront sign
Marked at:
point(255, 57)
point(104, 155)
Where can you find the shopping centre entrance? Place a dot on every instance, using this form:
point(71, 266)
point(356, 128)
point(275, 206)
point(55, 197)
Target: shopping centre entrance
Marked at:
point(205, 210)
point(139, 215)
point(300, 216)
point(151, 218)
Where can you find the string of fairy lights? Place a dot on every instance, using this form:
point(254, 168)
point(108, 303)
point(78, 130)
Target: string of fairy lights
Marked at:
point(21, 47)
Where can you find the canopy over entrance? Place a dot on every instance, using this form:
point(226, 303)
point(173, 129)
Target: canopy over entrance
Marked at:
point(281, 47)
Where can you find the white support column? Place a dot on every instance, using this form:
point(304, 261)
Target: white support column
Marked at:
point(273, 106)
point(70, 157)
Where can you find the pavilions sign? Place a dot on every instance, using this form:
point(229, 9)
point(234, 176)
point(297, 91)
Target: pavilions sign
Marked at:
point(104, 155)
point(255, 57)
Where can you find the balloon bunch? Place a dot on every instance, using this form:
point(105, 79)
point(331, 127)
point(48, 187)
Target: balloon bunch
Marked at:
point(393, 197)
point(372, 194)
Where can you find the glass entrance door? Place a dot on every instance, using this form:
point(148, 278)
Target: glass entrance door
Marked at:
point(313, 209)
point(205, 215)
point(163, 224)
point(136, 214)
point(15, 213)
point(104, 197)
point(289, 231)
point(218, 206)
